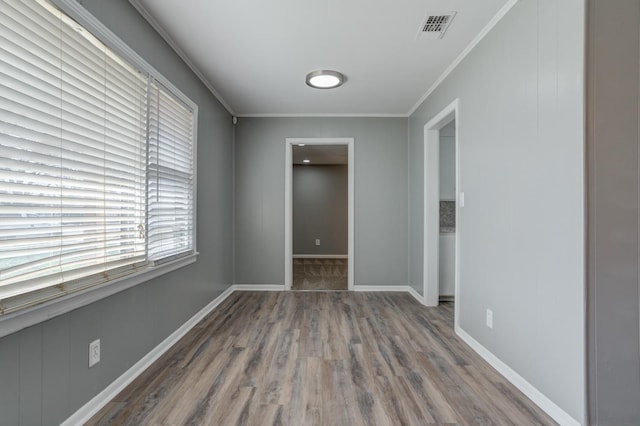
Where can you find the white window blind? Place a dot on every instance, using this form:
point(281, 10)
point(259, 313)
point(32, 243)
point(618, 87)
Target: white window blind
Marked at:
point(73, 157)
point(171, 174)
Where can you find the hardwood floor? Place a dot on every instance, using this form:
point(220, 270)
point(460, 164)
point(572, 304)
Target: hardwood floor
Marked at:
point(321, 358)
point(319, 274)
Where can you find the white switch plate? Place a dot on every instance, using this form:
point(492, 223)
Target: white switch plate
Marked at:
point(94, 353)
point(461, 199)
point(489, 318)
point(317, 241)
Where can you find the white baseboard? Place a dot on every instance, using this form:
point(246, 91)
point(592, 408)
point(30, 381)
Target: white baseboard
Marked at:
point(548, 406)
point(258, 287)
point(403, 288)
point(320, 256)
point(415, 294)
point(396, 288)
point(100, 400)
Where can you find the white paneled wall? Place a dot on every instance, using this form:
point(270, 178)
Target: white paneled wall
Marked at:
point(521, 254)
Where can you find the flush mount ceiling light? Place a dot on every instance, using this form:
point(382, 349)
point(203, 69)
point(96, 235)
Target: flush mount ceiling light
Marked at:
point(306, 161)
point(325, 79)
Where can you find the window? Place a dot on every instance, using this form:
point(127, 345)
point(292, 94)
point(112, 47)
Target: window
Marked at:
point(170, 175)
point(96, 160)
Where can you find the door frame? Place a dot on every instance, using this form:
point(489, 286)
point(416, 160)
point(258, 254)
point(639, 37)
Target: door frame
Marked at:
point(288, 204)
point(431, 212)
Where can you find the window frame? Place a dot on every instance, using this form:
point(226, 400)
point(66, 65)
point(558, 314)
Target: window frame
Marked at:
point(20, 319)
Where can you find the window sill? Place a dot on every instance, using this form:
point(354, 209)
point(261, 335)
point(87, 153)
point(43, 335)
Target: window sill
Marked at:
point(17, 321)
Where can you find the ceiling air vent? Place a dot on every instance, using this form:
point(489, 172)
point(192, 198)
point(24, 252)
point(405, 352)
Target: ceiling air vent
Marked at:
point(434, 26)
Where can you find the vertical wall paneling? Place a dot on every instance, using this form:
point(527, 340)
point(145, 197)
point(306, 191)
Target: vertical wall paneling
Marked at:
point(10, 383)
point(521, 154)
point(380, 210)
point(30, 369)
point(44, 373)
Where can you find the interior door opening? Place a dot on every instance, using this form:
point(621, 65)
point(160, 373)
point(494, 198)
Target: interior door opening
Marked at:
point(447, 213)
point(443, 200)
point(319, 214)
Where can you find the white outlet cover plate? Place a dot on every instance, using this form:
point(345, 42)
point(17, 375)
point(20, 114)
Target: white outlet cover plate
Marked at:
point(489, 318)
point(94, 353)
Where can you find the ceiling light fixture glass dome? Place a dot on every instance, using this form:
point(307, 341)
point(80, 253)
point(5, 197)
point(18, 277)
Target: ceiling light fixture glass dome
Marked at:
point(325, 79)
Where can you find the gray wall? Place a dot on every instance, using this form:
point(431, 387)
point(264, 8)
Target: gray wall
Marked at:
point(320, 209)
point(448, 162)
point(44, 376)
point(521, 162)
point(613, 170)
point(380, 195)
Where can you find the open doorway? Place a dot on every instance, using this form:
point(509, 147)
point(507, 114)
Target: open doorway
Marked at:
point(447, 214)
point(442, 203)
point(319, 214)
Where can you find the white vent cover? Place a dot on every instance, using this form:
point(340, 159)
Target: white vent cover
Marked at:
point(434, 26)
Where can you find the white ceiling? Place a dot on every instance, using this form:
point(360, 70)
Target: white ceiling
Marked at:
point(255, 54)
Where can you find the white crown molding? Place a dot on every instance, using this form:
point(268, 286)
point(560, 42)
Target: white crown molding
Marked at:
point(492, 23)
point(339, 115)
point(152, 21)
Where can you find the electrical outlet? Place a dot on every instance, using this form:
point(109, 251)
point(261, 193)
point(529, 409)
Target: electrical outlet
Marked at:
point(489, 318)
point(94, 353)
point(317, 241)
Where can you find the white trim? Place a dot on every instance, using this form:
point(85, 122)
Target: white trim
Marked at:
point(492, 23)
point(76, 11)
point(288, 204)
point(457, 307)
point(288, 215)
point(351, 173)
point(415, 294)
point(258, 287)
point(85, 412)
point(431, 198)
point(487, 28)
point(338, 114)
point(96, 403)
point(376, 288)
point(538, 398)
point(16, 321)
point(320, 256)
point(156, 26)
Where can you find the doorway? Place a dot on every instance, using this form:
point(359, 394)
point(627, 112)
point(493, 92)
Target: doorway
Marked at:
point(319, 219)
point(442, 199)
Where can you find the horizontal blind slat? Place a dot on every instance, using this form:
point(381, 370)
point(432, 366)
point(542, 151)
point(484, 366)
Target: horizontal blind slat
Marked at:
point(170, 186)
point(72, 151)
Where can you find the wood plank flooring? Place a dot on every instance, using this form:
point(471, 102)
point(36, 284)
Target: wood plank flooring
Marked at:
point(319, 274)
point(321, 358)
